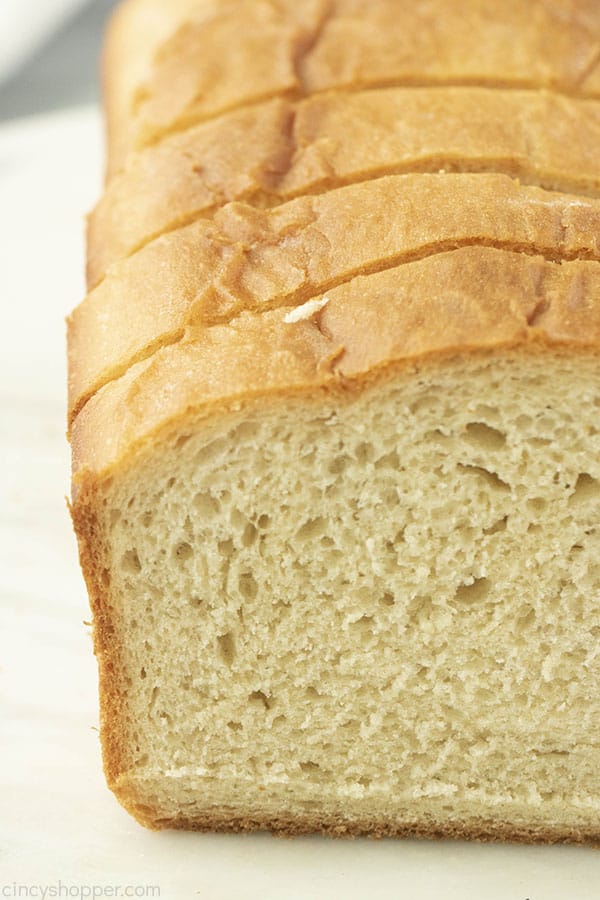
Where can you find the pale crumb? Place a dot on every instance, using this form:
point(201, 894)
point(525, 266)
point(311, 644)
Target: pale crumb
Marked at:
point(306, 311)
point(393, 618)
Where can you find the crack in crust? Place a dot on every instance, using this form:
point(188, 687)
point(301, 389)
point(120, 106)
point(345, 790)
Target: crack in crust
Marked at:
point(310, 41)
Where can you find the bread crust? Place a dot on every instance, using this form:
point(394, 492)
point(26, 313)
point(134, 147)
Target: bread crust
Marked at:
point(182, 71)
point(108, 644)
point(295, 826)
point(248, 259)
point(276, 151)
point(134, 33)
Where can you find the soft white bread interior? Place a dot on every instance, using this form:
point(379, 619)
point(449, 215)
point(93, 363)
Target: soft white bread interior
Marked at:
point(372, 612)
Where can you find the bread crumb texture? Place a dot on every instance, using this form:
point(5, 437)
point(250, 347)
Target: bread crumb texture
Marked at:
point(384, 609)
point(335, 412)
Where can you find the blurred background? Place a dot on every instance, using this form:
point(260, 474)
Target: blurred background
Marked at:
point(49, 53)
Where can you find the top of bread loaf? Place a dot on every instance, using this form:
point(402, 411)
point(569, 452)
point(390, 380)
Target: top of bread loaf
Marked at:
point(266, 155)
point(169, 65)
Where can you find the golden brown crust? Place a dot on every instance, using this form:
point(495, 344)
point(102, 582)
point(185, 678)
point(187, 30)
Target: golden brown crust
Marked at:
point(484, 299)
point(135, 31)
point(94, 561)
point(253, 259)
point(278, 150)
point(188, 74)
point(228, 159)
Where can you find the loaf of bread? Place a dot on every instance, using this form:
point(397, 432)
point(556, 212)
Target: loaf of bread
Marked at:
point(334, 404)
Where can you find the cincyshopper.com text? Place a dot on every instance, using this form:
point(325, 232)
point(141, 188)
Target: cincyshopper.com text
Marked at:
point(77, 891)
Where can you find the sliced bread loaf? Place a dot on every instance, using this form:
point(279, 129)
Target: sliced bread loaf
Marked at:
point(335, 417)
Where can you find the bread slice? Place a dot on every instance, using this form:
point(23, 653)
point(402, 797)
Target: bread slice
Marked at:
point(246, 258)
point(334, 411)
point(275, 151)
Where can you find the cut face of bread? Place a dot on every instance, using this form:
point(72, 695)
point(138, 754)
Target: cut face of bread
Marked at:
point(368, 610)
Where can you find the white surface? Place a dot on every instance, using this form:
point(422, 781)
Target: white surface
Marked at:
point(59, 825)
point(25, 23)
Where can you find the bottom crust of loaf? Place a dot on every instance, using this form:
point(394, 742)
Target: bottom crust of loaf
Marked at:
point(290, 826)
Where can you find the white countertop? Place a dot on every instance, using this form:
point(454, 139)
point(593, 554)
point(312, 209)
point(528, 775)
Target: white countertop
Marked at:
point(60, 826)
